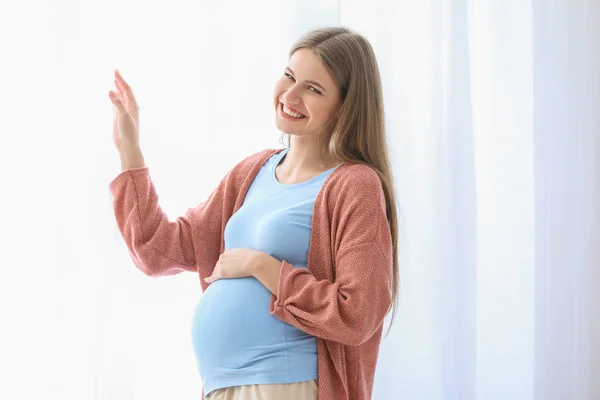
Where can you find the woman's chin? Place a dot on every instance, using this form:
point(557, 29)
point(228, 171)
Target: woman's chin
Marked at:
point(286, 129)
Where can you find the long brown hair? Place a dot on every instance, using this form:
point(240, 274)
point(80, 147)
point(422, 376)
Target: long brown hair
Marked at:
point(357, 133)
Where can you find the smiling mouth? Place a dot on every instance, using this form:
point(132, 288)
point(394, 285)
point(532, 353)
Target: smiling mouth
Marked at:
point(291, 113)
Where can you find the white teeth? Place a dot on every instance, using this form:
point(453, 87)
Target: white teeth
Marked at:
point(291, 113)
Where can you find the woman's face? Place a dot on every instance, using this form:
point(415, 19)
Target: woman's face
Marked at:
point(306, 96)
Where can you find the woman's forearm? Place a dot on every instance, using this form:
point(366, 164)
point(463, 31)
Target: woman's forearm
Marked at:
point(267, 270)
point(131, 157)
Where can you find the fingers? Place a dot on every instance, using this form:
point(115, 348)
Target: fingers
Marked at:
point(120, 81)
point(116, 100)
point(119, 88)
point(216, 275)
point(124, 89)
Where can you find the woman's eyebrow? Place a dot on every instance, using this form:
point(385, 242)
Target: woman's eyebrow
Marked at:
point(311, 82)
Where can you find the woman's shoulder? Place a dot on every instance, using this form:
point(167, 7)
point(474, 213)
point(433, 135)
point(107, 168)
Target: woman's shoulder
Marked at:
point(354, 186)
point(359, 178)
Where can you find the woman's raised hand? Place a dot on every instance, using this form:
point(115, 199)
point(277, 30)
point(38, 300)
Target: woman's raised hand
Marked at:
point(127, 118)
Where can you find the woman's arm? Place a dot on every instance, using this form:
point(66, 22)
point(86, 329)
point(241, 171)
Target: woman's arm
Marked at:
point(352, 307)
point(193, 242)
point(267, 270)
point(349, 310)
point(157, 246)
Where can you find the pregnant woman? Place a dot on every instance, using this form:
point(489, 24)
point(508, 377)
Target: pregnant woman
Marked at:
point(295, 250)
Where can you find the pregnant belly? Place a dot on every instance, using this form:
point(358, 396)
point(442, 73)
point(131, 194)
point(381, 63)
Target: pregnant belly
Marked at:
point(232, 327)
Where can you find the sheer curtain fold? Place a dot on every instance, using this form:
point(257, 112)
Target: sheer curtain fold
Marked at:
point(567, 162)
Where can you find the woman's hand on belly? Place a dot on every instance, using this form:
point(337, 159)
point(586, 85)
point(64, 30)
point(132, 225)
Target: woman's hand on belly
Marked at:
point(235, 263)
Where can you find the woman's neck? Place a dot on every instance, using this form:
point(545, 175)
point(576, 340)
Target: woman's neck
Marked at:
point(304, 160)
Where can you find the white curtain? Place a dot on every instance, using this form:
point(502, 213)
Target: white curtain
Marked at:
point(493, 115)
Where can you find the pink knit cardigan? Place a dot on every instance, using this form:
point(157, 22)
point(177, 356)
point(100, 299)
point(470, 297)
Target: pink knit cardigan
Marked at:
point(341, 299)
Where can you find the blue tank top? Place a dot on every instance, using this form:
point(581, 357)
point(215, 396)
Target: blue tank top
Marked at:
point(235, 338)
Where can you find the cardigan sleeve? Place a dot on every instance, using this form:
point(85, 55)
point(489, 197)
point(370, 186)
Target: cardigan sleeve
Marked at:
point(157, 245)
point(352, 307)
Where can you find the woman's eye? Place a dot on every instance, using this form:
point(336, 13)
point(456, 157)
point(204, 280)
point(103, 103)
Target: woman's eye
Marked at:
point(311, 88)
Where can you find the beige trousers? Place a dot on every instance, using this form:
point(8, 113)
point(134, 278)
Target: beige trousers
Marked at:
point(286, 391)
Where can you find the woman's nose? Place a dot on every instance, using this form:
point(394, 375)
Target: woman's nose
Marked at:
point(291, 96)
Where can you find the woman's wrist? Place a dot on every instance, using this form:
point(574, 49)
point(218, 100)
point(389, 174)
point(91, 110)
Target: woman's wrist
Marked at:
point(131, 157)
point(267, 270)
